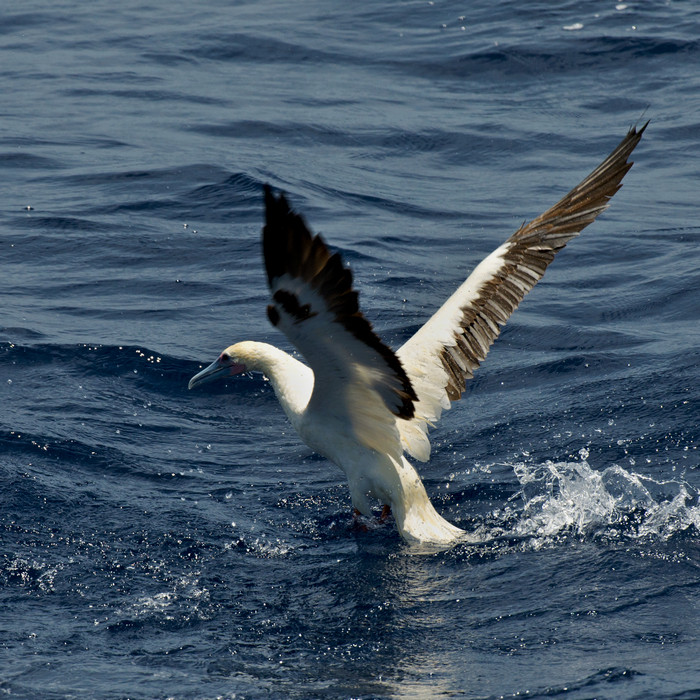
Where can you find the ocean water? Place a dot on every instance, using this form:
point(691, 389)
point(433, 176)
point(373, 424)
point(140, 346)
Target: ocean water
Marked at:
point(160, 543)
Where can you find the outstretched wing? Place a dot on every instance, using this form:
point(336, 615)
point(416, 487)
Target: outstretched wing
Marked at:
point(444, 353)
point(357, 378)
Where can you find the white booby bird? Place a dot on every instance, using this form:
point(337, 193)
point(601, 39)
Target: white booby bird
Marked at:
point(362, 405)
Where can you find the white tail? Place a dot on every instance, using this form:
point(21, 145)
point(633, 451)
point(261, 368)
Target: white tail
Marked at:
point(416, 519)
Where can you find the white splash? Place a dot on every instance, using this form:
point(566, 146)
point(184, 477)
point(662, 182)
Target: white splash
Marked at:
point(573, 497)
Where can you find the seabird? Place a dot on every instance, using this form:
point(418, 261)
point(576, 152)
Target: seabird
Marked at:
point(359, 403)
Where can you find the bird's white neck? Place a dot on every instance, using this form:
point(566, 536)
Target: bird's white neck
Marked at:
point(292, 380)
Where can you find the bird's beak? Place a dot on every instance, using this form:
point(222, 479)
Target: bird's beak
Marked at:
point(223, 366)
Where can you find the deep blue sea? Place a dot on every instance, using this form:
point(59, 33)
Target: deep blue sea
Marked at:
point(158, 543)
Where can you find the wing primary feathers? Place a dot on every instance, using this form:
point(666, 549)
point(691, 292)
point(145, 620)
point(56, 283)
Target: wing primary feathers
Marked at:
point(529, 251)
point(286, 239)
point(443, 355)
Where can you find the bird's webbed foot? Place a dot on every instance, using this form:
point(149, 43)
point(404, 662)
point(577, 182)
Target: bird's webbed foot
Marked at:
point(358, 522)
point(362, 523)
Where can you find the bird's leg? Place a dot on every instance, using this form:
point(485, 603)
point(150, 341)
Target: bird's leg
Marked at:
point(386, 512)
point(356, 522)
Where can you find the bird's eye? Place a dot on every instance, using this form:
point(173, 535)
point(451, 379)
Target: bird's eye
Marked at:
point(225, 357)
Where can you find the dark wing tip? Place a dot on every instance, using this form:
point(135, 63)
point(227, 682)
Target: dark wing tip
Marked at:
point(286, 237)
point(632, 138)
point(641, 129)
point(276, 208)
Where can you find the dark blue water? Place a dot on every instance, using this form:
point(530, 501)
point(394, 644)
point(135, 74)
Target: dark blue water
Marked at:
point(156, 543)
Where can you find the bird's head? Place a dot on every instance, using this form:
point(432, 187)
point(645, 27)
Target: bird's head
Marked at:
point(236, 359)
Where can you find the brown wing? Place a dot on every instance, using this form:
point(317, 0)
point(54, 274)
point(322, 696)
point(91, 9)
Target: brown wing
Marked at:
point(444, 353)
